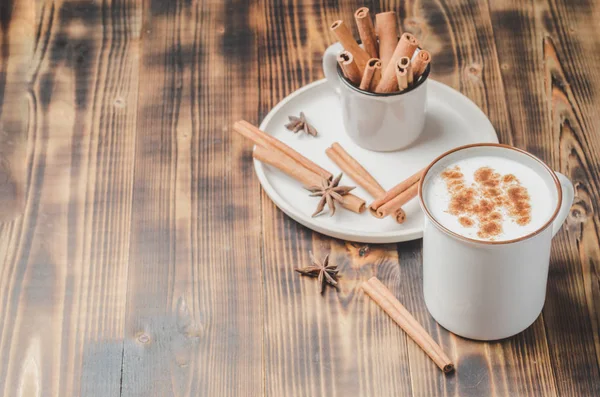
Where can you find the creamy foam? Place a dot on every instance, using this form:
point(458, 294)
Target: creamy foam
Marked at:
point(488, 198)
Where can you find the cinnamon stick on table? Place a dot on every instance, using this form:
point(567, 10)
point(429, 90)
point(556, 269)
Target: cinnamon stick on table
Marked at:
point(346, 61)
point(261, 138)
point(366, 31)
point(288, 166)
point(344, 36)
point(386, 25)
point(373, 66)
point(388, 302)
point(359, 174)
point(405, 48)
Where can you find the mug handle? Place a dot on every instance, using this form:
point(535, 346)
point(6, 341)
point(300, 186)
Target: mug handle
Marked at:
point(330, 66)
point(568, 195)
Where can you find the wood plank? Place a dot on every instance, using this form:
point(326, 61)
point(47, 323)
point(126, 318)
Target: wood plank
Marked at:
point(570, 87)
point(461, 39)
point(339, 343)
point(17, 40)
point(544, 109)
point(64, 274)
point(570, 56)
point(194, 319)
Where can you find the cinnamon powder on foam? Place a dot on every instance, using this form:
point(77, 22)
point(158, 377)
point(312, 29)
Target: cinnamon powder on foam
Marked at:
point(481, 202)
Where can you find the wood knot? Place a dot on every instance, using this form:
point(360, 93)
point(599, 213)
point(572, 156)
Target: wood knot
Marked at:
point(119, 102)
point(473, 72)
point(579, 212)
point(363, 251)
point(504, 66)
point(77, 30)
point(143, 338)
point(474, 69)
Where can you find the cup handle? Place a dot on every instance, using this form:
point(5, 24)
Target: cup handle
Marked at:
point(330, 66)
point(568, 195)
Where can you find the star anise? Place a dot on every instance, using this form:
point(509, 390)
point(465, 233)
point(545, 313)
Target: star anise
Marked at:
point(325, 272)
point(330, 192)
point(300, 124)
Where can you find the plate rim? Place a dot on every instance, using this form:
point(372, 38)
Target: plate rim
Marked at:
point(337, 232)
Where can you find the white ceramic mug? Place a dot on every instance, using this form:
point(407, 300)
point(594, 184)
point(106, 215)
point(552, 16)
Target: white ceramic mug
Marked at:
point(379, 122)
point(489, 290)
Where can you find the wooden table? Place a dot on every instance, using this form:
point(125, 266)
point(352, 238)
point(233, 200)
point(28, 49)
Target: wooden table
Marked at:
point(148, 262)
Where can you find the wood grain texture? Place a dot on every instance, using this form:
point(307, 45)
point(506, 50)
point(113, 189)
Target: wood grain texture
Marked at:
point(146, 260)
point(194, 316)
point(64, 276)
point(17, 38)
point(539, 97)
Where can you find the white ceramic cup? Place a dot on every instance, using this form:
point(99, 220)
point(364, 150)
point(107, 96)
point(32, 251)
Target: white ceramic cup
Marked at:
point(489, 290)
point(379, 122)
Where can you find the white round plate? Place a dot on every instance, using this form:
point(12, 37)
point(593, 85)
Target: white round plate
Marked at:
point(452, 120)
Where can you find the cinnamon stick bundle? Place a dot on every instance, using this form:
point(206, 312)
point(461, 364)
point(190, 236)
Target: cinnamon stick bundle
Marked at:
point(421, 61)
point(346, 61)
point(405, 48)
point(396, 197)
point(288, 166)
point(344, 36)
point(373, 66)
point(380, 42)
point(386, 25)
point(366, 31)
point(388, 302)
point(261, 138)
point(359, 174)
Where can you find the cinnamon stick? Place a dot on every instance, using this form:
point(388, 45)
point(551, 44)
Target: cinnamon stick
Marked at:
point(398, 313)
point(376, 77)
point(405, 48)
point(287, 165)
point(401, 77)
point(354, 170)
point(405, 63)
point(420, 63)
point(290, 167)
point(396, 190)
point(360, 175)
point(373, 65)
point(263, 139)
point(344, 36)
point(366, 31)
point(346, 61)
point(397, 202)
point(386, 25)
